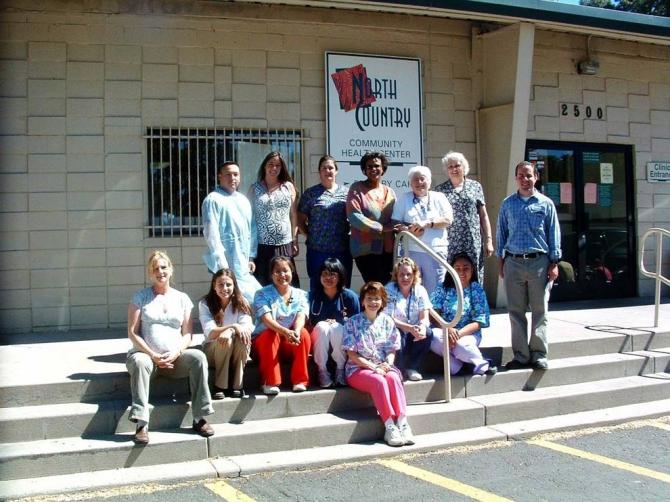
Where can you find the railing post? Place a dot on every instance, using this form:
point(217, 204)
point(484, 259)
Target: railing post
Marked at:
point(659, 233)
point(446, 363)
point(659, 259)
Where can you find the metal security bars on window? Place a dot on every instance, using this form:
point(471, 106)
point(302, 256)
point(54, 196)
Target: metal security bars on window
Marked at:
point(181, 169)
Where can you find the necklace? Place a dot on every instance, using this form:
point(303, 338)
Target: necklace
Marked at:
point(423, 204)
point(287, 296)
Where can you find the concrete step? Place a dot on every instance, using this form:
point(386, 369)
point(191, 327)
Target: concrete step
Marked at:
point(111, 417)
point(569, 370)
point(71, 455)
point(559, 400)
point(92, 371)
point(233, 466)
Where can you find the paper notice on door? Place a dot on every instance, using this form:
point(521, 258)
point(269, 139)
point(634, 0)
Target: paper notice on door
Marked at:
point(605, 195)
point(566, 193)
point(606, 173)
point(590, 193)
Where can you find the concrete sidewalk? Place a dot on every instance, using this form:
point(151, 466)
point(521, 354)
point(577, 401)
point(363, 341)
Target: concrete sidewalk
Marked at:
point(46, 358)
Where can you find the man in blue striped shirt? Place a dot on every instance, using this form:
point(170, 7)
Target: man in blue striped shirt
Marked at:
point(529, 247)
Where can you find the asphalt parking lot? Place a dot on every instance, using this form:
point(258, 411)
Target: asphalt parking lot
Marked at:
point(625, 462)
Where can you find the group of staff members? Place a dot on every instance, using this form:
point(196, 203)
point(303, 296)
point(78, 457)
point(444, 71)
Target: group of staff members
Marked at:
point(251, 244)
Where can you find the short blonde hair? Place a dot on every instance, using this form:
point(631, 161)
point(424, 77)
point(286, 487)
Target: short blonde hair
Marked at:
point(158, 254)
point(406, 260)
point(458, 157)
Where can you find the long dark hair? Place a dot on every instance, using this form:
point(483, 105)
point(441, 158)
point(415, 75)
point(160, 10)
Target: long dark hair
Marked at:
point(237, 300)
point(449, 281)
point(284, 175)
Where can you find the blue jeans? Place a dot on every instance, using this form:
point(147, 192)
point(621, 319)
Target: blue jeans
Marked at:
point(316, 258)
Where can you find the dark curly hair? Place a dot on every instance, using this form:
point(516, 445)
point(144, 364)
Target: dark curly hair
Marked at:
point(375, 155)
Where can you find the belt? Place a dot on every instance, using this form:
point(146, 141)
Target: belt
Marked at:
point(525, 256)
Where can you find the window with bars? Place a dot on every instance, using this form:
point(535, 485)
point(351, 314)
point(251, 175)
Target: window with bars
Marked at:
point(182, 163)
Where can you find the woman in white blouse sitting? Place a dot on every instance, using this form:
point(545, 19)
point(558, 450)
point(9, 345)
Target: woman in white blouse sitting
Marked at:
point(225, 316)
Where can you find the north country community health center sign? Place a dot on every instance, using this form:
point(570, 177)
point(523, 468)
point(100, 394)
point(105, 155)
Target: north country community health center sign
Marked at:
point(374, 104)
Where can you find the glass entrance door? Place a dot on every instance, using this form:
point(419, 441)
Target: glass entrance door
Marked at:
point(589, 186)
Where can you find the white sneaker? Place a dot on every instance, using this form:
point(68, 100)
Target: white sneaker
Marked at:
point(413, 375)
point(340, 378)
point(324, 379)
point(392, 436)
point(299, 387)
point(270, 390)
point(406, 433)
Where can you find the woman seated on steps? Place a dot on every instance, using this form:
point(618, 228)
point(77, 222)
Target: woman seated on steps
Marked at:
point(371, 340)
point(159, 326)
point(465, 337)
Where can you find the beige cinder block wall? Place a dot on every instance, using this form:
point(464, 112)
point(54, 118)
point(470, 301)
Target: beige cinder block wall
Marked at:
point(633, 86)
point(81, 82)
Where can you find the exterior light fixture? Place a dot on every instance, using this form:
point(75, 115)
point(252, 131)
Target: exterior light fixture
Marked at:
point(588, 66)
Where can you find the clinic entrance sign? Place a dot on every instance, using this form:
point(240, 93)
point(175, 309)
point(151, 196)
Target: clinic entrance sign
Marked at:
point(373, 103)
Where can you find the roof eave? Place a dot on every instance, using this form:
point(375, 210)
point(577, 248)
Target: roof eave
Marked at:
point(544, 14)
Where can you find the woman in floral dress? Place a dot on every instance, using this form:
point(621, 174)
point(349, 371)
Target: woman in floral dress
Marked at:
point(471, 231)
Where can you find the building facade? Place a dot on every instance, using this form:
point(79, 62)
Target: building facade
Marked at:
point(100, 98)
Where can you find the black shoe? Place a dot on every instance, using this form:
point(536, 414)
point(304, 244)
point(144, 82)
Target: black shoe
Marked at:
point(541, 364)
point(515, 365)
point(491, 371)
point(239, 393)
point(217, 394)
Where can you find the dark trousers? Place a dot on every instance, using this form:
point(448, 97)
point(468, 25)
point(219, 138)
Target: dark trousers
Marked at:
point(375, 267)
point(264, 254)
point(414, 351)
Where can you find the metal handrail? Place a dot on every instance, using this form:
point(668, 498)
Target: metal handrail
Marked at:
point(658, 276)
point(438, 319)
